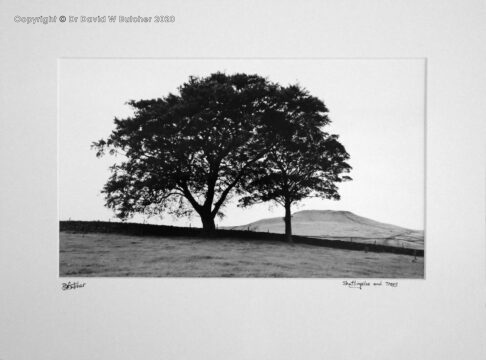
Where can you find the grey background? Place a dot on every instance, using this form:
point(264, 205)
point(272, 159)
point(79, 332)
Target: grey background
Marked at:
point(442, 317)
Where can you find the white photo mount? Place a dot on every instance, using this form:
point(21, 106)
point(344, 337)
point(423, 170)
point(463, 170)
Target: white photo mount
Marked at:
point(440, 317)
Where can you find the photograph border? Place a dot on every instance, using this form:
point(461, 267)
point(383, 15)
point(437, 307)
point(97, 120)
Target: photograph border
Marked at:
point(291, 58)
point(125, 318)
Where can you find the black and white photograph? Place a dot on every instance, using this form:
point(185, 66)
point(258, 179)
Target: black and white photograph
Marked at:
point(242, 168)
point(242, 180)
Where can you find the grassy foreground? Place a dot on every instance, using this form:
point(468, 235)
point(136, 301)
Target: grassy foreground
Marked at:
point(115, 255)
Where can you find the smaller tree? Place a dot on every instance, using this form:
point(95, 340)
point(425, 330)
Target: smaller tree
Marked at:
point(306, 162)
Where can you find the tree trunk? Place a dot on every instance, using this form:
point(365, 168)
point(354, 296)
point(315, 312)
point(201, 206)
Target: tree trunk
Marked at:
point(288, 223)
point(208, 224)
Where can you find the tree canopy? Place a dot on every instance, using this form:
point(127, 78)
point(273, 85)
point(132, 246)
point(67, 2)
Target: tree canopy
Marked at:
point(304, 161)
point(188, 151)
point(219, 136)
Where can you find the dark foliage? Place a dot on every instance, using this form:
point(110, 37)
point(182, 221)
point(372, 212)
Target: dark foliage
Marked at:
point(220, 136)
point(189, 151)
point(304, 161)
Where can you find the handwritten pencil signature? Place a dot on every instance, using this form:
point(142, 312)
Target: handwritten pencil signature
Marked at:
point(72, 285)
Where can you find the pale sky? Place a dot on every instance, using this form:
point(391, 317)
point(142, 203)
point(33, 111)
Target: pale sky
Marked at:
point(377, 106)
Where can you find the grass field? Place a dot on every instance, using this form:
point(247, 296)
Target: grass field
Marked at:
point(113, 255)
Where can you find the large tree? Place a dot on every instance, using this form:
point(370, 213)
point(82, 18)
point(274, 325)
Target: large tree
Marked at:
point(304, 162)
point(189, 151)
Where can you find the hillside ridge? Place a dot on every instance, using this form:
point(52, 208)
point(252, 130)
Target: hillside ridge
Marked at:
point(340, 224)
